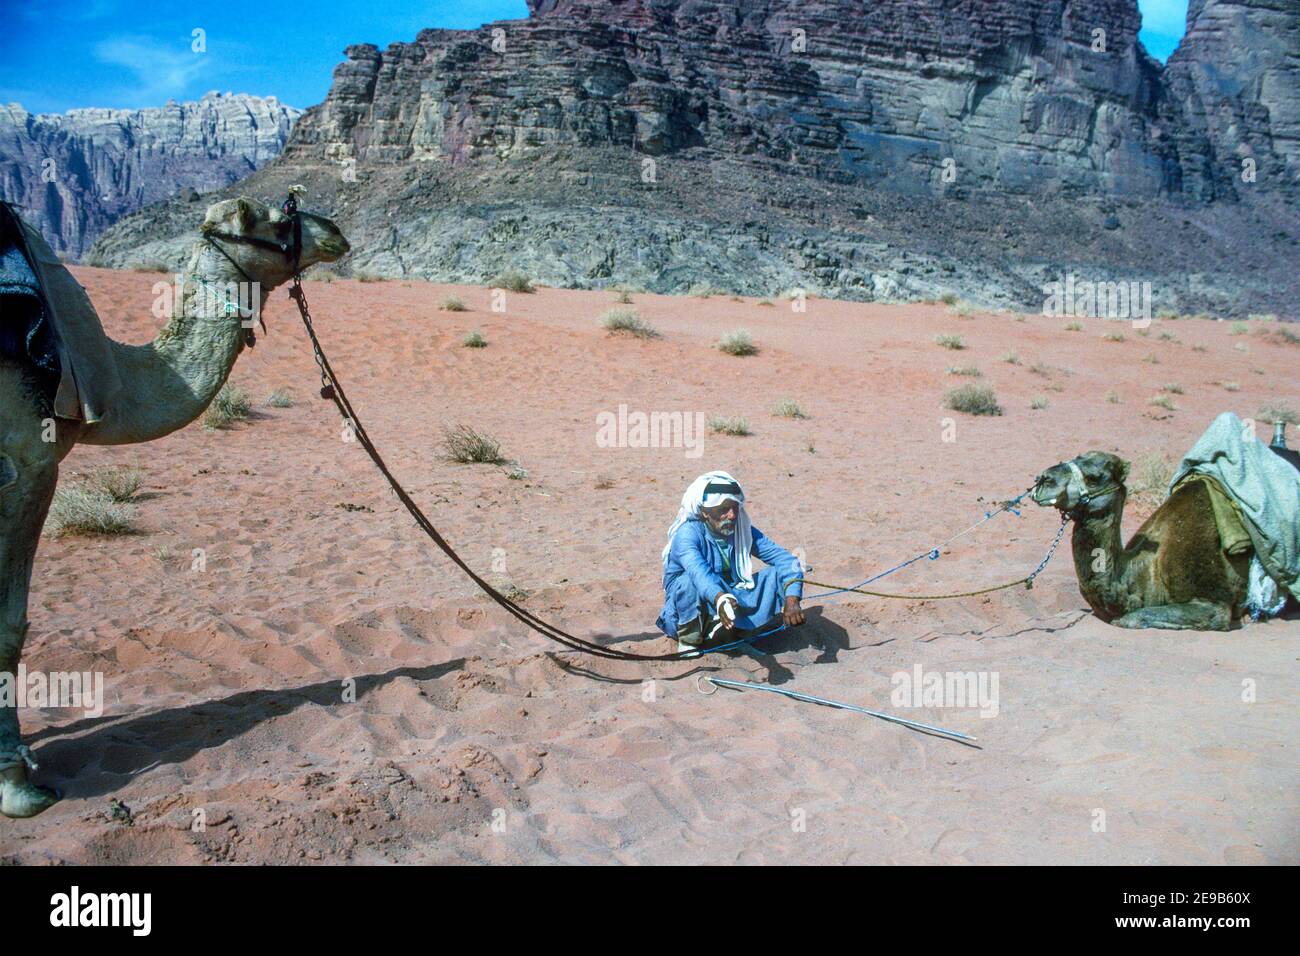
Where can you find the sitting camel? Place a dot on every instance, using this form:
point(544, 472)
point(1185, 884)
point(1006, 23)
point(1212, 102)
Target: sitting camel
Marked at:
point(155, 389)
point(1174, 573)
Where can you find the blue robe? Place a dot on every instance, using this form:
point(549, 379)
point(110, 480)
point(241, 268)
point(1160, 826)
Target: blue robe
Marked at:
point(695, 572)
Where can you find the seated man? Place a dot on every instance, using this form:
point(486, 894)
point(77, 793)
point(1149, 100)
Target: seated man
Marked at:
point(708, 575)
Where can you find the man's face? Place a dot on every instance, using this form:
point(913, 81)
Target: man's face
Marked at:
point(722, 518)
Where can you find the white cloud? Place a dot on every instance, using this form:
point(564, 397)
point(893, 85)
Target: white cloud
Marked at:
point(161, 70)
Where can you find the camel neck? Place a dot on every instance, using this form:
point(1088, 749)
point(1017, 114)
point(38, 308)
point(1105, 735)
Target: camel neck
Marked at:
point(1099, 557)
point(169, 382)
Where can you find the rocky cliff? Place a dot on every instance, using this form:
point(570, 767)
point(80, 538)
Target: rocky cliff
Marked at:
point(882, 149)
point(74, 174)
point(1234, 83)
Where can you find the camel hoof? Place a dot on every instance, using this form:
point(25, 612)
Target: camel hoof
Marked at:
point(20, 798)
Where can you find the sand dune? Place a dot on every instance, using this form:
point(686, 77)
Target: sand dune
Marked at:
point(226, 686)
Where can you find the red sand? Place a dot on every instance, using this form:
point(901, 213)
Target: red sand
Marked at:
point(225, 686)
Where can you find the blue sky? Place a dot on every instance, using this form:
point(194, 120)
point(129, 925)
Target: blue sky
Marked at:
point(60, 54)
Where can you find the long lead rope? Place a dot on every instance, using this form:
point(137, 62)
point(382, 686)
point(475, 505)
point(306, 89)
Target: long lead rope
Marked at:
point(332, 389)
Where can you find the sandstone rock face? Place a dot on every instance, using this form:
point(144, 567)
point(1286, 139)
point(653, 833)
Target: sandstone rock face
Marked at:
point(74, 174)
point(858, 148)
point(1234, 82)
point(1014, 94)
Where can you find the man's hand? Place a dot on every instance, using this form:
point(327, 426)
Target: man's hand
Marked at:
point(725, 605)
point(793, 614)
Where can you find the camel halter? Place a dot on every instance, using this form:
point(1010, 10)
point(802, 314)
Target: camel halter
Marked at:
point(1085, 496)
point(291, 250)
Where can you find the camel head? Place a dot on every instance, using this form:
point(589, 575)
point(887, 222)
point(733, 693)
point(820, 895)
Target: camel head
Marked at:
point(1082, 485)
point(255, 222)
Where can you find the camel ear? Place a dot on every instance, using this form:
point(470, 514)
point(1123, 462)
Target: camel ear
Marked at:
point(1123, 471)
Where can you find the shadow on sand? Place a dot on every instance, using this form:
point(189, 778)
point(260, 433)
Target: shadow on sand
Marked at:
point(176, 734)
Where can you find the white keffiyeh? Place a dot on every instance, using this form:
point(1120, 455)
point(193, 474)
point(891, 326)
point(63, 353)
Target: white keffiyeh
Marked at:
point(701, 495)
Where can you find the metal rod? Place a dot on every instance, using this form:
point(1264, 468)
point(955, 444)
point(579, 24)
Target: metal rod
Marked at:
point(808, 698)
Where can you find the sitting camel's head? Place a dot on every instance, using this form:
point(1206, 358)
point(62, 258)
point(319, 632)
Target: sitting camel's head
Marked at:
point(232, 220)
point(1083, 484)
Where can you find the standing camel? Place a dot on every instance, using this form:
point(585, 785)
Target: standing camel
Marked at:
point(156, 389)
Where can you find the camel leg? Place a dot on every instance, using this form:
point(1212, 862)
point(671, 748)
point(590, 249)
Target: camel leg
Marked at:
point(29, 470)
point(1192, 616)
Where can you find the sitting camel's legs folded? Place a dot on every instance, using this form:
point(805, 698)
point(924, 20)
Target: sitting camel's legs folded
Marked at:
point(29, 469)
point(1194, 615)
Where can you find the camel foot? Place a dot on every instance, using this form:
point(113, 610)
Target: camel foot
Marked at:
point(1192, 616)
point(19, 797)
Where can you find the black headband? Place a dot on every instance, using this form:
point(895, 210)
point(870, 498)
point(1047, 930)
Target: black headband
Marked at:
point(722, 488)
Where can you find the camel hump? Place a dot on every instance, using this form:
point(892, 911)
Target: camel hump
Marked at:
point(49, 324)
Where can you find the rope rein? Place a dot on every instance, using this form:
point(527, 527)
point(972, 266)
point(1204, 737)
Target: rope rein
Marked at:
point(332, 389)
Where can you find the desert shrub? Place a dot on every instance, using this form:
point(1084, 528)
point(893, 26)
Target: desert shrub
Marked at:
point(973, 400)
point(1277, 413)
point(231, 405)
point(1011, 358)
point(466, 445)
point(703, 290)
point(1039, 402)
point(1173, 388)
point(119, 482)
point(1038, 368)
point(513, 280)
point(788, 408)
point(1149, 477)
point(363, 276)
point(1231, 386)
point(949, 298)
point(1114, 336)
point(1200, 348)
point(767, 302)
point(1113, 397)
point(1286, 336)
point(729, 426)
point(628, 321)
point(280, 398)
point(1074, 326)
point(516, 472)
point(78, 509)
point(474, 340)
point(1168, 337)
point(969, 371)
point(452, 303)
point(1239, 328)
point(1165, 402)
point(623, 297)
point(1151, 360)
point(738, 343)
point(950, 341)
point(150, 265)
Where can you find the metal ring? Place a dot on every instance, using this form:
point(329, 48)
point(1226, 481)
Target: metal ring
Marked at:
point(698, 678)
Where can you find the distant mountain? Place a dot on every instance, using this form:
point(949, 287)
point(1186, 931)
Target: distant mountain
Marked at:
point(889, 149)
point(74, 174)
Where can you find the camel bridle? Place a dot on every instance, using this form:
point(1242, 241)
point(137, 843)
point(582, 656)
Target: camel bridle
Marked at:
point(1086, 497)
point(291, 249)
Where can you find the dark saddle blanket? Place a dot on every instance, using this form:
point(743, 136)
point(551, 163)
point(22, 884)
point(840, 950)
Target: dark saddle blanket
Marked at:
point(48, 324)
